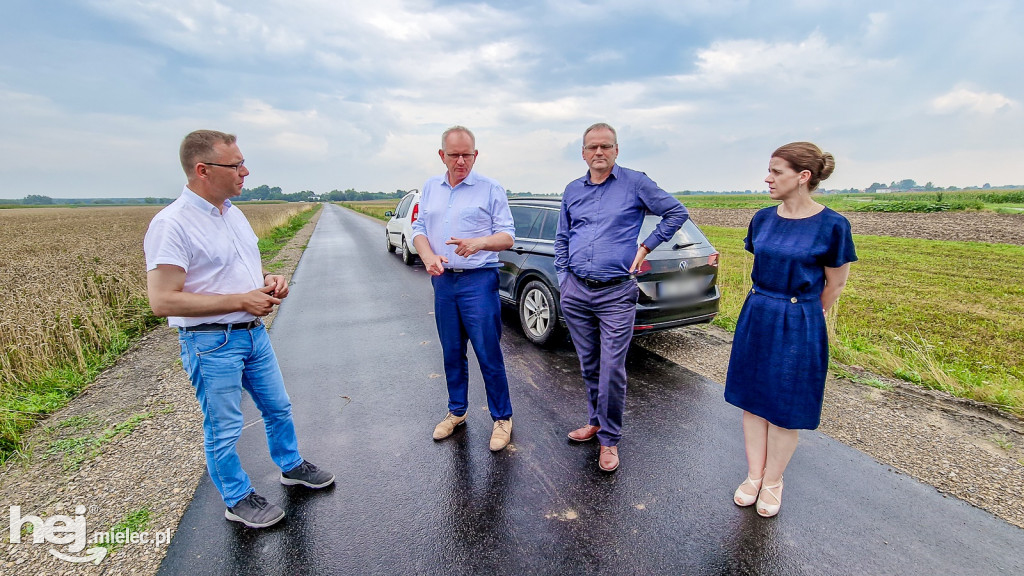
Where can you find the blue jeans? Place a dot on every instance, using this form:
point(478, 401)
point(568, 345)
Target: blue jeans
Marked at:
point(467, 309)
point(220, 364)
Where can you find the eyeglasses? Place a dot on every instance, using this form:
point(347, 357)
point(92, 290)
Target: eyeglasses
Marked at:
point(466, 157)
point(594, 147)
point(234, 167)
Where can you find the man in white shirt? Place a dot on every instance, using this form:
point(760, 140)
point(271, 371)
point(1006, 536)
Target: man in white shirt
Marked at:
point(205, 275)
point(464, 222)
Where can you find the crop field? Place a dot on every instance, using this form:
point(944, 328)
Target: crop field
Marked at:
point(75, 281)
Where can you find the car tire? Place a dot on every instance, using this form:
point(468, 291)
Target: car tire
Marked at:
point(407, 255)
point(387, 238)
point(538, 313)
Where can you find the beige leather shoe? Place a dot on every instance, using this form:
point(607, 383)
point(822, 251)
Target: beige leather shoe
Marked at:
point(501, 434)
point(445, 427)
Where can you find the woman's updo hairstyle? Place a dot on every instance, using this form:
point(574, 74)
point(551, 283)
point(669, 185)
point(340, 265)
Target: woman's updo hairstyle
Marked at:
point(806, 156)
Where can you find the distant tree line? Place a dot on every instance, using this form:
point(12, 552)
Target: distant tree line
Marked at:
point(40, 200)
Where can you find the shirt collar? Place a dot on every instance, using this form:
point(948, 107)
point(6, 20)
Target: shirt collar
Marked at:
point(201, 203)
point(614, 174)
point(469, 180)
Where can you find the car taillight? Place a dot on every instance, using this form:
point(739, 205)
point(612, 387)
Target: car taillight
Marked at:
point(645, 267)
point(415, 212)
point(713, 259)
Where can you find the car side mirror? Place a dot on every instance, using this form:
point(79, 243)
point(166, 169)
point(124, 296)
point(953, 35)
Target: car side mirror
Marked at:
point(389, 213)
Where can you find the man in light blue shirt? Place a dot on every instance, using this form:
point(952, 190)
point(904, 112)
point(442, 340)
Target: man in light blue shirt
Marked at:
point(596, 258)
point(464, 222)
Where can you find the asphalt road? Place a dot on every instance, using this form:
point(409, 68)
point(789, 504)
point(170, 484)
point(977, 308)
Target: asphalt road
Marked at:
point(359, 351)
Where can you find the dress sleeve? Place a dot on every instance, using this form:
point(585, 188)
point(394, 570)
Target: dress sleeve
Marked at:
point(748, 242)
point(841, 249)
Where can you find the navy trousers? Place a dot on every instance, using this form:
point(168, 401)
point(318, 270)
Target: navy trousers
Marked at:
point(467, 309)
point(600, 322)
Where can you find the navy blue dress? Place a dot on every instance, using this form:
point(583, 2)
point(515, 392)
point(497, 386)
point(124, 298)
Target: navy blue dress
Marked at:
point(779, 355)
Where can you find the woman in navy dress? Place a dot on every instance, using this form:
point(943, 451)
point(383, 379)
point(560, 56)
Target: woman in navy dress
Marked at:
point(802, 253)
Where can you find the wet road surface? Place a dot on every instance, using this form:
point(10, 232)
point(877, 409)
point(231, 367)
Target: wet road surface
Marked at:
point(361, 359)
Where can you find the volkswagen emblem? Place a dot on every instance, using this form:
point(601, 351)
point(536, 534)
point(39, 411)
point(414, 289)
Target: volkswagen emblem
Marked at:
point(683, 265)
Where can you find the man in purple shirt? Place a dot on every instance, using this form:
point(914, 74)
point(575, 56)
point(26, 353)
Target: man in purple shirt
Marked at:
point(464, 222)
point(596, 256)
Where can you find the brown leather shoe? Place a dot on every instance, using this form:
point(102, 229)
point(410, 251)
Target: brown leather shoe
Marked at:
point(445, 427)
point(609, 459)
point(584, 434)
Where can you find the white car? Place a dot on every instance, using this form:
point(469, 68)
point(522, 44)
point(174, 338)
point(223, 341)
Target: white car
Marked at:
point(399, 227)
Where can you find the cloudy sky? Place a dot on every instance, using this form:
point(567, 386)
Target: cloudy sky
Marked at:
point(95, 95)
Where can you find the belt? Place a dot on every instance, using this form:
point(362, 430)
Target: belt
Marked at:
point(213, 327)
point(595, 284)
point(464, 270)
point(781, 296)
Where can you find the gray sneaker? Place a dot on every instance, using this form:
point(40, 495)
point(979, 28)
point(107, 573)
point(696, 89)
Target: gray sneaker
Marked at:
point(255, 512)
point(308, 475)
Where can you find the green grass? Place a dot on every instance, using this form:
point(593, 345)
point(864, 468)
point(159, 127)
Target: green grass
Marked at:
point(134, 522)
point(56, 387)
point(945, 315)
point(1002, 441)
point(279, 237)
point(374, 208)
point(78, 449)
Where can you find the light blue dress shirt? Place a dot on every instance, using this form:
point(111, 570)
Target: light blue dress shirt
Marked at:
point(599, 224)
point(477, 206)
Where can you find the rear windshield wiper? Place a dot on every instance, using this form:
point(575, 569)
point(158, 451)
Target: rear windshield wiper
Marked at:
point(687, 245)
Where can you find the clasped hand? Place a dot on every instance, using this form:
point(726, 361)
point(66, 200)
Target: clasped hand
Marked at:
point(261, 301)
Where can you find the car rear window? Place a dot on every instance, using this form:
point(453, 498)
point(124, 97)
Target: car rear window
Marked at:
point(687, 234)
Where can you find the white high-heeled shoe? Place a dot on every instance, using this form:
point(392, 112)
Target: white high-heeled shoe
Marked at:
point(764, 509)
point(741, 498)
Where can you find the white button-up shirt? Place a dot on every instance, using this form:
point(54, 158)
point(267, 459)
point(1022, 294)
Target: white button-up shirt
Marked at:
point(219, 252)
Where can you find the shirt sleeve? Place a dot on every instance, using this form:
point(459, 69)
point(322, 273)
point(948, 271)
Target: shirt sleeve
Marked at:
point(562, 242)
point(501, 214)
point(657, 201)
point(166, 243)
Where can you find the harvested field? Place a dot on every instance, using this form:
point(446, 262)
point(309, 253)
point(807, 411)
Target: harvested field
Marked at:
point(956, 226)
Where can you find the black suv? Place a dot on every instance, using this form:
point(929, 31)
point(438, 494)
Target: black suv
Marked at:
point(678, 281)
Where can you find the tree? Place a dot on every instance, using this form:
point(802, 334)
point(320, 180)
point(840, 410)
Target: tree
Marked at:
point(37, 199)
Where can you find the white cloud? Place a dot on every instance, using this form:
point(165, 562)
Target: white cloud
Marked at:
point(779, 63)
point(962, 99)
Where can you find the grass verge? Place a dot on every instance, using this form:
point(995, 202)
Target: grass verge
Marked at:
point(944, 315)
point(374, 208)
point(77, 449)
point(134, 522)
